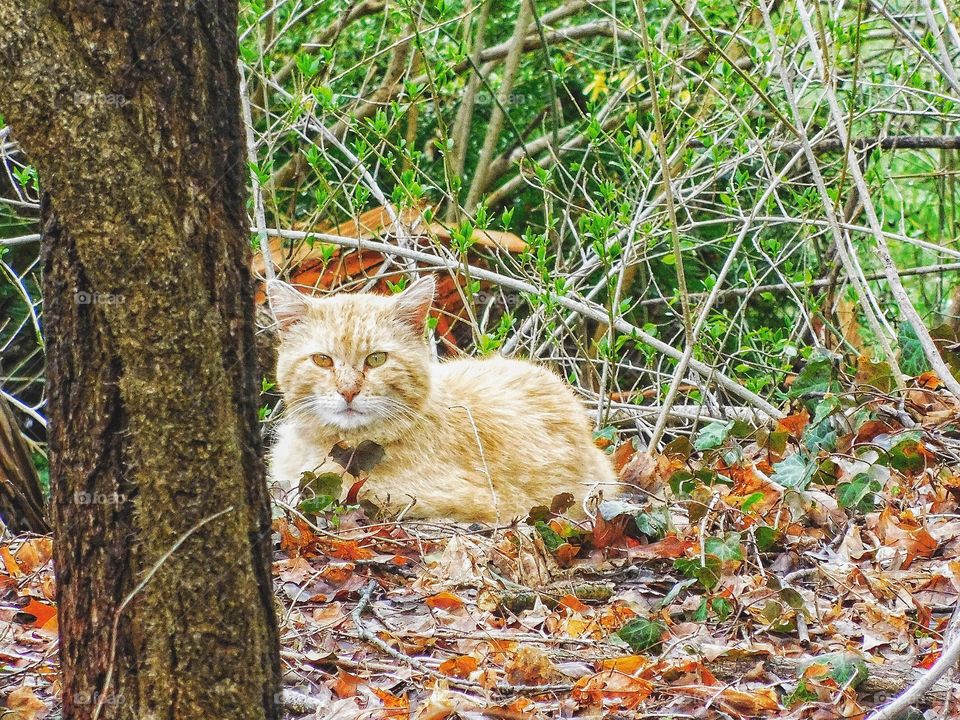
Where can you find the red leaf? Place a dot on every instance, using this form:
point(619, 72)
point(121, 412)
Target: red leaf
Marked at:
point(351, 498)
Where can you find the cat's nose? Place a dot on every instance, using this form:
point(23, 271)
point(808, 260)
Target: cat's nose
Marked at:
point(349, 394)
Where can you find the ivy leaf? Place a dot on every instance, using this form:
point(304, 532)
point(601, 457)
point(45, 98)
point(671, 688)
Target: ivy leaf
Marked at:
point(766, 537)
point(907, 455)
point(820, 437)
point(724, 548)
point(642, 634)
point(816, 377)
point(653, 524)
point(328, 483)
point(721, 608)
point(825, 408)
point(793, 472)
point(912, 359)
point(852, 494)
point(706, 573)
point(846, 669)
point(713, 435)
point(876, 375)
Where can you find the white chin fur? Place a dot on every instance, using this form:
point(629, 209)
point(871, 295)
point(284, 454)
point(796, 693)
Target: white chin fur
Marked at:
point(333, 410)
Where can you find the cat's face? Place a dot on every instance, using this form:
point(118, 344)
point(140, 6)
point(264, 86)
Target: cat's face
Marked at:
point(353, 362)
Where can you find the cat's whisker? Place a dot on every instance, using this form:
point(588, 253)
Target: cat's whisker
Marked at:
point(305, 408)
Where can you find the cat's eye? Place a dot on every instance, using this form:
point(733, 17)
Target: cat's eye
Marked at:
point(321, 360)
point(376, 359)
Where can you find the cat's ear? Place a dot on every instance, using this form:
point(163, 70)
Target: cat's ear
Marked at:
point(288, 305)
point(413, 304)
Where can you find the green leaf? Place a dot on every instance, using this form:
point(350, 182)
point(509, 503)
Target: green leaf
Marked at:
point(713, 435)
point(682, 482)
point(801, 694)
point(679, 448)
point(820, 437)
point(328, 483)
point(551, 538)
point(852, 494)
point(912, 359)
point(847, 669)
point(721, 608)
point(766, 537)
point(702, 612)
point(816, 377)
point(707, 574)
point(642, 634)
point(794, 472)
point(724, 548)
point(316, 505)
point(907, 454)
point(877, 375)
point(825, 408)
point(652, 524)
point(751, 500)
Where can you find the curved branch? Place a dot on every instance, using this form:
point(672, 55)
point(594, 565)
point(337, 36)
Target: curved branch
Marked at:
point(589, 310)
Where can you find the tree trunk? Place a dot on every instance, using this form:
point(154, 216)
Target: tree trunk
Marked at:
point(130, 113)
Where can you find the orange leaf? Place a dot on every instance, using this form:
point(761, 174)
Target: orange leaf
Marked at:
point(354, 490)
point(628, 664)
point(24, 704)
point(929, 660)
point(870, 429)
point(906, 533)
point(565, 554)
point(736, 702)
point(337, 574)
point(929, 380)
point(794, 424)
point(531, 666)
point(13, 570)
point(622, 455)
point(519, 707)
point(573, 602)
point(444, 601)
point(393, 706)
point(345, 549)
point(293, 538)
point(670, 547)
point(606, 533)
point(41, 611)
point(460, 666)
point(612, 688)
point(641, 471)
point(346, 684)
point(34, 553)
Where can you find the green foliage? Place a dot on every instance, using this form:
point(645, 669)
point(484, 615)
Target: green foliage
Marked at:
point(643, 635)
point(795, 472)
point(712, 436)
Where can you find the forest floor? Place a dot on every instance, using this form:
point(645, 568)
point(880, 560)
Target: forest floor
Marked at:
point(804, 570)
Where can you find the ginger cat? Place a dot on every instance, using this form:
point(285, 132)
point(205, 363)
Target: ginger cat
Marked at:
point(470, 440)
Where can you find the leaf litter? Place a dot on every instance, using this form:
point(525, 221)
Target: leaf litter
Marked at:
point(803, 570)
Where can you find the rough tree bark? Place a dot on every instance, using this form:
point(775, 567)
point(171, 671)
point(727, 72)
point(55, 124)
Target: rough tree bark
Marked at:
point(130, 112)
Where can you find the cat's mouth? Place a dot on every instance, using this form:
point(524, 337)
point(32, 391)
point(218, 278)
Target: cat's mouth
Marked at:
point(350, 418)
